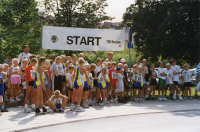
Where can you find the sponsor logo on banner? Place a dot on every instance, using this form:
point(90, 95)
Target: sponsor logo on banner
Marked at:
point(54, 39)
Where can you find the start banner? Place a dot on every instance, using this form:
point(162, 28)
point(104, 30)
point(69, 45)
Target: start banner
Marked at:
point(82, 39)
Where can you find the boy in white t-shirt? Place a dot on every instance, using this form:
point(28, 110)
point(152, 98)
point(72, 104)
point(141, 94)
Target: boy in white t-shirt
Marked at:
point(169, 80)
point(70, 83)
point(176, 73)
point(187, 79)
point(162, 81)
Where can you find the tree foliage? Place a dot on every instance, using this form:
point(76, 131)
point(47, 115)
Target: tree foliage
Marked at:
point(165, 29)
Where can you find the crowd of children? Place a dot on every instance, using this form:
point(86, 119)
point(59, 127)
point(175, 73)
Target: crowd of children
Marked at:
point(72, 81)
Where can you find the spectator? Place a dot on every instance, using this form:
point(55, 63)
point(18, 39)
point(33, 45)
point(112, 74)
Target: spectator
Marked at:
point(24, 55)
point(9, 59)
point(110, 56)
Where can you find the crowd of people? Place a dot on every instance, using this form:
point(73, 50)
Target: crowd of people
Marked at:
point(70, 80)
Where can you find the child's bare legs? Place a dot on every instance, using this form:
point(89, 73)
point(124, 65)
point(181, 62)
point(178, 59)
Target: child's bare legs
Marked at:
point(51, 105)
point(33, 95)
point(85, 96)
point(39, 97)
point(154, 89)
point(189, 90)
point(64, 103)
point(90, 94)
point(103, 94)
point(186, 91)
point(159, 91)
point(134, 93)
point(13, 90)
point(64, 88)
point(140, 93)
point(97, 93)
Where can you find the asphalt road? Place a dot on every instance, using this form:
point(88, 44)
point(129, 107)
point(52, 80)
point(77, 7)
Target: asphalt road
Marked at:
point(188, 121)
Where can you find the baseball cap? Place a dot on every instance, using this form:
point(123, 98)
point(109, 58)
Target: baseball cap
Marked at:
point(122, 60)
point(119, 68)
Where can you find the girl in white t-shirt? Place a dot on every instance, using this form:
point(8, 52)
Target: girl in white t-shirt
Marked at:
point(120, 84)
point(15, 73)
point(187, 79)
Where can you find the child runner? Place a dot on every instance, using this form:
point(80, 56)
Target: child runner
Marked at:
point(133, 77)
point(103, 78)
point(24, 65)
point(78, 77)
point(95, 82)
point(126, 81)
point(15, 73)
point(70, 83)
point(169, 79)
point(187, 79)
point(85, 87)
point(97, 71)
point(3, 88)
point(176, 72)
point(57, 102)
point(40, 86)
point(120, 85)
point(162, 81)
point(57, 70)
point(153, 81)
point(89, 101)
point(113, 81)
point(30, 80)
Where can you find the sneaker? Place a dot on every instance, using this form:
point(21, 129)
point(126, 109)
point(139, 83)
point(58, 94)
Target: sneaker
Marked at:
point(102, 104)
point(33, 109)
point(85, 106)
point(26, 110)
point(174, 96)
point(106, 102)
point(159, 98)
point(111, 101)
point(196, 96)
point(164, 99)
point(190, 98)
point(44, 110)
point(17, 98)
point(61, 110)
point(80, 109)
point(177, 96)
point(38, 112)
point(12, 100)
point(68, 104)
point(140, 101)
point(185, 98)
point(21, 95)
point(4, 110)
point(115, 100)
point(180, 98)
point(72, 107)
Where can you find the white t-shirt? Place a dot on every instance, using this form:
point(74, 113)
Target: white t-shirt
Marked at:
point(98, 69)
point(23, 56)
point(68, 75)
point(101, 79)
point(161, 70)
point(58, 68)
point(169, 76)
point(176, 69)
point(120, 79)
point(187, 75)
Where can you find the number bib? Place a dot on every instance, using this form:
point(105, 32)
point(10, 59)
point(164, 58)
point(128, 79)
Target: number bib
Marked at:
point(59, 68)
point(91, 78)
point(154, 75)
point(114, 76)
point(169, 76)
point(187, 76)
point(139, 78)
point(101, 79)
point(32, 73)
point(57, 101)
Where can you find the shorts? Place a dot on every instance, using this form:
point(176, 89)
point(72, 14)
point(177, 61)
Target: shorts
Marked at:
point(15, 80)
point(126, 87)
point(85, 89)
point(121, 89)
point(153, 82)
point(147, 82)
point(24, 93)
point(94, 89)
point(64, 79)
point(134, 87)
point(187, 84)
point(175, 82)
point(162, 83)
point(78, 83)
point(47, 87)
point(31, 83)
point(138, 85)
point(168, 87)
point(58, 106)
point(69, 88)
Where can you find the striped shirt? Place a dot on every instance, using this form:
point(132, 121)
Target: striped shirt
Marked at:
point(198, 69)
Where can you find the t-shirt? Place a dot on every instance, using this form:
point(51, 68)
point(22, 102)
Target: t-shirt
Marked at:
point(176, 69)
point(120, 80)
point(187, 75)
point(58, 68)
point(95, 80)
point(147, 73)
point(68, 75)
point(169, 76)
point(153, 73)
point(161, 70)
point(30, 73)
point(101, 79)
point(113, 76)
point(107, 60)
point(125, 77)
point(90, 78)
point(98, 69)
point(23, 56)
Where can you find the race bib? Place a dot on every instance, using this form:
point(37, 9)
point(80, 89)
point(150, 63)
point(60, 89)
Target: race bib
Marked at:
point(59, 68)
point(32, 73)
point(154, 75)
point(114, 76)
point(169, 75)
point(57, 101)
point(15, 69)
point(91, 78)
point(101, 80)
point(187, 76)
point(139, 78)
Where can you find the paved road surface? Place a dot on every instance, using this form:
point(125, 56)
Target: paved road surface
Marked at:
point(164, 122)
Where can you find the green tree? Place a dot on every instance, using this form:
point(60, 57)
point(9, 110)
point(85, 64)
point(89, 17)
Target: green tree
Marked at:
point(166, 29)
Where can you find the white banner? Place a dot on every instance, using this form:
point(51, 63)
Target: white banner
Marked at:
point(82, 39)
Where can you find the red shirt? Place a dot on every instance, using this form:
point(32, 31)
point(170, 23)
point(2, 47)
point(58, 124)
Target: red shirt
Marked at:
point(30, 73)
point(113, 76)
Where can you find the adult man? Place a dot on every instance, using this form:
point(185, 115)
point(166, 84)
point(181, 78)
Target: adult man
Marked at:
point(52, 57)
point(81, 55)
point(24, 55)
point(9, 59)
point(176, 74)
point(110, 56)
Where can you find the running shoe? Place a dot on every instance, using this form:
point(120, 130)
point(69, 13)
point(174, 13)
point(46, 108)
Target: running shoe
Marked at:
point(44, 110)
point(4, 110)
point(72, 107)
point(17, 98)
point(164, 99)
point(61, 110)
point(174, 96)
point(33, 109)
point(180, 98)
point(26, 110)
point(143, 100)
point(80, 109)
point(12, 100)
point(185, 98)
point(106, 102)
point(159, 98)
point(21, 95)
point(190, 98)
point(140, 101)
point(101, 104)
point(85, 106)
point(111, 101)
point(38, 112)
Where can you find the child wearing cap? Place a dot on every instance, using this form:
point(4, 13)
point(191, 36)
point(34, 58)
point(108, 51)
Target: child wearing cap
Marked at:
point(120, 85)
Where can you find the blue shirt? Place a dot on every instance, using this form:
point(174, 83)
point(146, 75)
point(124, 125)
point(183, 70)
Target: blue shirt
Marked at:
point(198, 69)
point(1, 85)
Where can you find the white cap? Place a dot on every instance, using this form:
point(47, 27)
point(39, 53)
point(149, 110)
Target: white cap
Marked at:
point(1, 66)
point(122, 60)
